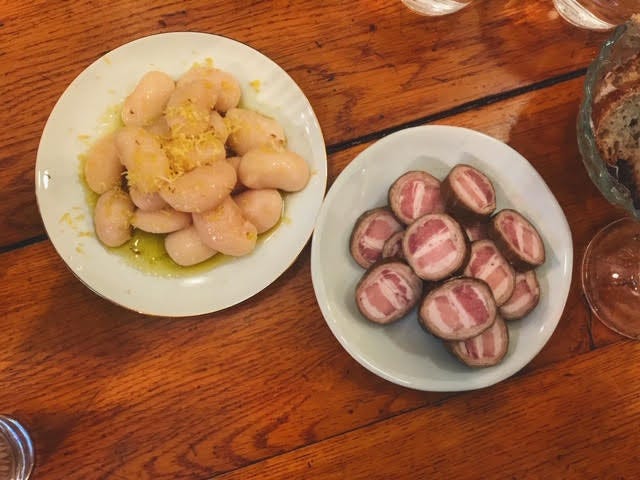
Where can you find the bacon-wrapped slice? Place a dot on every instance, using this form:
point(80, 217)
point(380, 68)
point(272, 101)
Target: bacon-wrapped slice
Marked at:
point(517, 239)
point(458, 309)
point(525, 297)
point(393, 246)
point(468, 194)
point(369, 234)
point(477, 230)
point(486, 349)
point(414, 194)
point(387, 291)
point(435, 246)
point(488, 264)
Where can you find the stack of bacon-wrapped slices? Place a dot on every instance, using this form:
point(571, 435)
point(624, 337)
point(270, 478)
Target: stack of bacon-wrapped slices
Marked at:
point(441, 244)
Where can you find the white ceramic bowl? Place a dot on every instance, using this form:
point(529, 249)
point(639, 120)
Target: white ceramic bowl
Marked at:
point(402, 352)
point(86, 108)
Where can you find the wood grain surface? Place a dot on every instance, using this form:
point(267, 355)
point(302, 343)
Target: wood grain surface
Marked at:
point(195, 397)
point(263, 390)
point(366, 66)
point(530, 428)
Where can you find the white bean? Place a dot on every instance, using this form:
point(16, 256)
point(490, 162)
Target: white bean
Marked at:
point(148, 99)
point(264, 168)
point(235, 162)
point(218, 126)
point(263, 207)
point(102, 167)
point(185, 247)
point(146, 163)
point(230, 92)
point(146, 201)
point(225, 229)
point(189, 152)
point(112, 217)
point(228, 88)
point(249, 130)
point(159, 127)
point(189, 107)
point(166, 220)
point(201, 189)
point(199, 72)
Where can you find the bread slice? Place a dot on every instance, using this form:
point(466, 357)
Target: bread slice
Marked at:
point(629, 175)
point(616, 112)
point(618, 138)
point(623, 70)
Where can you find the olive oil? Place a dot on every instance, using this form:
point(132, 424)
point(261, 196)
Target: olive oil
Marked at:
point(146, 252)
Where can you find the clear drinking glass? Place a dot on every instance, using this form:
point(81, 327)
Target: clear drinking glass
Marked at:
point(16, 450)
point(611, 263)
point(596, 14)
point(436, 7)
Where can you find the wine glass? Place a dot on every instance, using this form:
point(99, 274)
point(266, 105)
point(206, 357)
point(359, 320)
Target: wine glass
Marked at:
point(611, 263)
point(596, 14)
point(16, 450)
point(436, 7)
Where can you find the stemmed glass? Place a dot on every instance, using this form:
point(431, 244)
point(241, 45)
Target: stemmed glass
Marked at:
point(16, 450)
point(436, 7)
point(611, 263)
point(596, 14)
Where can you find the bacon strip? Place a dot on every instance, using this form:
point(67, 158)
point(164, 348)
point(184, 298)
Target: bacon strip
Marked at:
point(458, 309)
point(486, 349)
point(476, 230)
point(435, 246)
point(387, 291)
point(393, 246)
point(415, 194)
point(467, 193)
point(517, 239)
point(525, 297)
point(488, 264)
point(369, 234)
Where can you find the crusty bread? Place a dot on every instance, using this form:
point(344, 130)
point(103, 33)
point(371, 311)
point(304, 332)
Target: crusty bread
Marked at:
point(629, 175)
point(616, 114)
point(618, 135)
point(622, 69)
point(616, 78)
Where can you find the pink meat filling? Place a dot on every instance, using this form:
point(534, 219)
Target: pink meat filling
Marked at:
point(418, 199)
point(484, 186)
point(376, 233)
point(448, 312)
point(515, 230)
point(393, 246)
point(521, 290)
point(468, 185)
point(433, 256)
point(472, 303)
point(482, 346)
point(426, 230)
point(461, 307)
point(387, 293)
point(480, 258)
point(477, 231)
point(496, 277)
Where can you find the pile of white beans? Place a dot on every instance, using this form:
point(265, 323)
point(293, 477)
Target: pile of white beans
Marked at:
point(166, 171)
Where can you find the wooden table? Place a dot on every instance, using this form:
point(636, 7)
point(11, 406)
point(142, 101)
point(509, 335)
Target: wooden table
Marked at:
point(263, 390)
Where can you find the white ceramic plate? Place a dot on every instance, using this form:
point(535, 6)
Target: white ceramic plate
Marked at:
point(82, 113)
point(402, 352)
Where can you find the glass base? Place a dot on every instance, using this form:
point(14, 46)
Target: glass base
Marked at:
point(611, 276)
point(16, 450)
point(574, 13)
point(435, 7)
